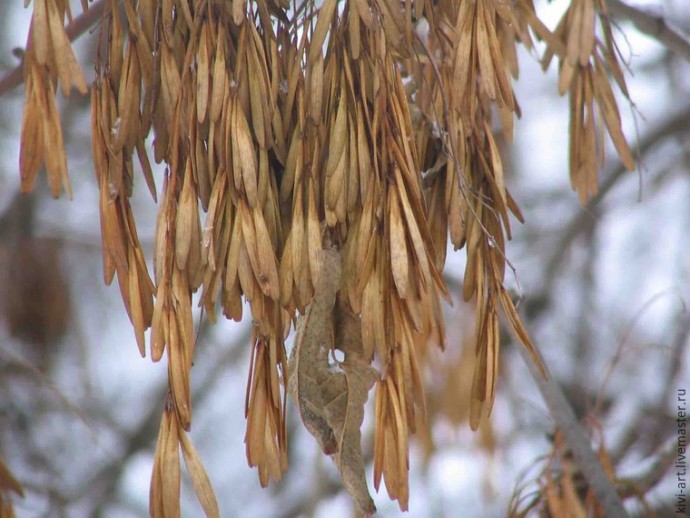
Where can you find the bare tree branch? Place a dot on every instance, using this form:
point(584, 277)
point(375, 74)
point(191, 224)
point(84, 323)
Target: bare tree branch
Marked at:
point(576, 439)
point(654, 25)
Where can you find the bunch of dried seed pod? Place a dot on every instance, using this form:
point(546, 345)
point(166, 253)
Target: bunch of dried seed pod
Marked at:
point(316, 161)
point(585, 64)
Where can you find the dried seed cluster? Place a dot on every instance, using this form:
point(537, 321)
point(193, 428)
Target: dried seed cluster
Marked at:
point(355, 138)
point(585, 64)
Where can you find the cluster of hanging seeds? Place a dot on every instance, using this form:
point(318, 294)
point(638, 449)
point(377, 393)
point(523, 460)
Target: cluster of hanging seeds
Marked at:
point(317, 158)
point(585, 65)
point(48, 58)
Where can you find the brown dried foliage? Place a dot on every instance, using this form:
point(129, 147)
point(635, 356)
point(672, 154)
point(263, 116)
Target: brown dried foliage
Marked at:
point(330, 152)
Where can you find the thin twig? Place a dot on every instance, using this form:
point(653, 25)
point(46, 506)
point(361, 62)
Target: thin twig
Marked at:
point(623, 347)
point(643, 482)
point(654, 25)
point(674, 368)
point(79, 26)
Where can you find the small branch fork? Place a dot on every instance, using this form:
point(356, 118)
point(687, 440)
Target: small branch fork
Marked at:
point(653, 25)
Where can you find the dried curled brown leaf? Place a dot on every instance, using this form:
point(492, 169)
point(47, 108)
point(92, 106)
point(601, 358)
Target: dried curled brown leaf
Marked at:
point(345, 395)
point(331, 398)
point(309, 359)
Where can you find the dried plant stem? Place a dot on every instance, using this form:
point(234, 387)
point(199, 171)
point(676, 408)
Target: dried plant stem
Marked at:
point(79, 26)
point(576, 438)
point(654, 25)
